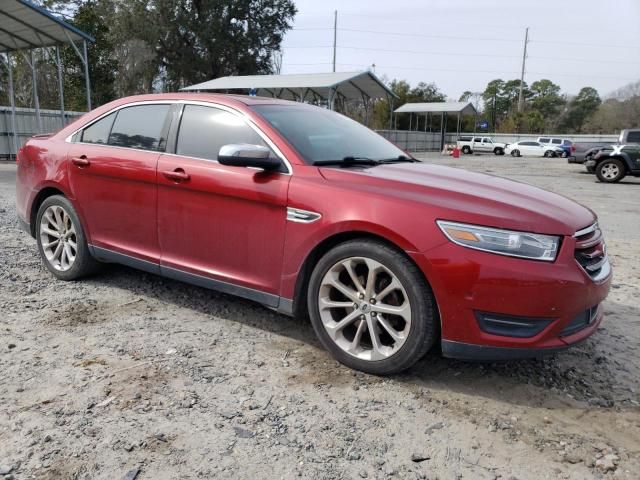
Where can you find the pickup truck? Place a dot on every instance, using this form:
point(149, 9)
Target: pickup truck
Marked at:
point(614, 162)
point(481, 145)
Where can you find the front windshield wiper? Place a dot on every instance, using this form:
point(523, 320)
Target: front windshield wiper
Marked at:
point(348, 161)
point(398, 159)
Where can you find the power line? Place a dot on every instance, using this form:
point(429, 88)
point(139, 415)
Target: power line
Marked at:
point(452, 37)
point(457, 54)
point(458, 70)
point(552, 42)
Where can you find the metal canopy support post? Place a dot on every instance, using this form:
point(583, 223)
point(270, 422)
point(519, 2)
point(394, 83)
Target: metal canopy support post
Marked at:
point(84, 58)
point(60, 85)
point(458, 130)
point(12, 99)
point(36, 99)
point(442, 132)
point(390, 112)
point(86, 74)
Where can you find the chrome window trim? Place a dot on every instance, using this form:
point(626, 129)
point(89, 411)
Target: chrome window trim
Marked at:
point(249, 121)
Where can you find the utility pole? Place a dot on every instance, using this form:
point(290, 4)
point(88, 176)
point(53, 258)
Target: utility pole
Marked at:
point(524, 59)
point(335, 37)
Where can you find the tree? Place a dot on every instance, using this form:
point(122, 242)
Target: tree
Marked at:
point(614, 115)
point(580, 108)
point(203, 39)
point(546, 98)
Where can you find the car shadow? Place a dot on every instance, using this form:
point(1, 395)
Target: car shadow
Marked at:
point(589, 373)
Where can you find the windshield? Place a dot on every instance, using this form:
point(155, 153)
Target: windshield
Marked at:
point(322, 135)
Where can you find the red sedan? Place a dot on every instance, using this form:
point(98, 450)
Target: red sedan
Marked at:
point(310, 213)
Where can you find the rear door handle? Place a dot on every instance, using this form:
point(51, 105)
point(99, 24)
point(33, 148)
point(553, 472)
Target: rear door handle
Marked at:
point(81, 161)
point(177, 175)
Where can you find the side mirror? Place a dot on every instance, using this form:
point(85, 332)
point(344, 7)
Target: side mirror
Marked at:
point(246, 155)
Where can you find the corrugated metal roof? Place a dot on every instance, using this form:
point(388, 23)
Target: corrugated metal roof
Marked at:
point(304, 85)
point(24, 26)
point(437, 107)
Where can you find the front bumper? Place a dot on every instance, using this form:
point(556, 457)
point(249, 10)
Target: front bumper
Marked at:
point(573, 159)
point(466, 282)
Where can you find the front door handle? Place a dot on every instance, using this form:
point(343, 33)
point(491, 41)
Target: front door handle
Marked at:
point(81, 161)
point(177, 175)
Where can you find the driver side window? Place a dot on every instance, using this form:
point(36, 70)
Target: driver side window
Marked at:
point(203, 130)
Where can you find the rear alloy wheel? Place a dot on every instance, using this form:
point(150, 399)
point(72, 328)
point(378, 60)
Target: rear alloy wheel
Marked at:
point(371, 307)
point(466, 149)
point(549, 154)
point(610, 171)
point(564, 155)
point(498, 151)
point(61, 240)
point(515, 153)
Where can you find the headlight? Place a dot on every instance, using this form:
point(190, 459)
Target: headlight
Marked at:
point(503, 242)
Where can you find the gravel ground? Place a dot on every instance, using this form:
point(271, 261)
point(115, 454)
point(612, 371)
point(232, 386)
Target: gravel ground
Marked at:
point(127, 375)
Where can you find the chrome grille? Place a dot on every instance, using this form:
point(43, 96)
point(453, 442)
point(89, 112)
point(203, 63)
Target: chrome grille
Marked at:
point(591, 252)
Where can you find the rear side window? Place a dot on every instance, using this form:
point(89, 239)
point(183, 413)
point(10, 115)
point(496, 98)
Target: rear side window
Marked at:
point(544, 140)
point(567, 142)
point(139, 127)
point(203, 130)
point(98, 132)
point(633, 137)
point(556, 141)
point(477, 139)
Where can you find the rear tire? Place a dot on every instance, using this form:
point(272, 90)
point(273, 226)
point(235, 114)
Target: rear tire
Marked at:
point(564, 155)
point(548, 154)
point(611, 171)
point(61, 240)
point(466, 150)
point(343, 312)
point(498, 151)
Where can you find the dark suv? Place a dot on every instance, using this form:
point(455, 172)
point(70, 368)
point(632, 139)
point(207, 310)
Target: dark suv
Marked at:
point(611, 164)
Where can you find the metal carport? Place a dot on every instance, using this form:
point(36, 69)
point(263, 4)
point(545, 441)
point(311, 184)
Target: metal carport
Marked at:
point(364, 86)
point(441, 108)
point(26, 27)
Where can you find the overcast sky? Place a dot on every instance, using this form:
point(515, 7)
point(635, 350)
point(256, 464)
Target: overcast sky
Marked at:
point(463, 44)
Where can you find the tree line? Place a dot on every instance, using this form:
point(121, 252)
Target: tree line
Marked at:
point(145, 46)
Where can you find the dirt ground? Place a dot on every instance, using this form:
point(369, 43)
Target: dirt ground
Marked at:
point(128, 375)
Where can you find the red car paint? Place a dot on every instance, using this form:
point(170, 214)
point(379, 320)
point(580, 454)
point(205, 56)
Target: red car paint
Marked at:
point(229, 224)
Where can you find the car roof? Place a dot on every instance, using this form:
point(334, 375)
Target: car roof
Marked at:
point(209, 97)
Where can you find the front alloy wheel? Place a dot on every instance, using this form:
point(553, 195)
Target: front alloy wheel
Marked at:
point(364, 308)
point(371, 307)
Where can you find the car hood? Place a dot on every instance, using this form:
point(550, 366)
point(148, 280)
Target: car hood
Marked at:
point(459, 195)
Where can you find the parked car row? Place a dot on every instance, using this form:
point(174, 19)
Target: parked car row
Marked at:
point(542, 147)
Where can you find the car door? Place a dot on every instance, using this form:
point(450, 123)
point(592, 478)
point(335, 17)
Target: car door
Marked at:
point(487, 145)
point(112, 176)
point(220, 226)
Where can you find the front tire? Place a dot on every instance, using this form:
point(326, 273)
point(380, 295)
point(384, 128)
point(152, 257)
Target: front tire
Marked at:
point(371, 307)
point(564, 155)
point(61, 240)
point(611, 170)
point(515, 153)
point(549, 154)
